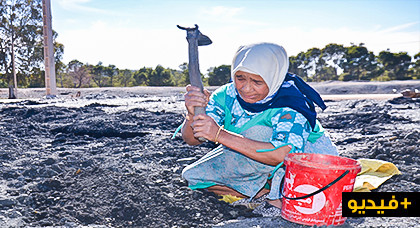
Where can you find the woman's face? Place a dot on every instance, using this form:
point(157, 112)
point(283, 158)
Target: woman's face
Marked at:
point(251, 87)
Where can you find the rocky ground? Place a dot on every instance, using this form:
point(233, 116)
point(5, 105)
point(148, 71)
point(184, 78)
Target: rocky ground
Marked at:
point(106, 159)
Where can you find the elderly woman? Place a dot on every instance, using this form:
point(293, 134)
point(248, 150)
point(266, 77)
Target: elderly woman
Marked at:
point(264, 114)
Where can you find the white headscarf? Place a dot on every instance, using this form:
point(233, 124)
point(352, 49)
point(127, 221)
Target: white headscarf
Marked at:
point(265, 59)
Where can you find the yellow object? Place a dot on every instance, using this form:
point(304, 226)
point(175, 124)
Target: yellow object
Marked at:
point(229, 198)
point(374, 172)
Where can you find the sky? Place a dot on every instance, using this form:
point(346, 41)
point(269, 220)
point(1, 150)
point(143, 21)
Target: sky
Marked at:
point(132, 34)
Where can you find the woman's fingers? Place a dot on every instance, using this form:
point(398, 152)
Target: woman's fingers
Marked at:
point(197, 96)
point(207, 94)
point(202, 118)
point(191, 88)
point(193, 102)
point(204, 126)
point(193, 91)
point(194, 98)
point(201, 131)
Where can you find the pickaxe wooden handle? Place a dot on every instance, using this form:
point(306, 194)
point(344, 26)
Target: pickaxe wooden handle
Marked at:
point(195, 39)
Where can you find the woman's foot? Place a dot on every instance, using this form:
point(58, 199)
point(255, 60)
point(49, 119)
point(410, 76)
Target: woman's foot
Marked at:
point(250, 204)
point(277, 203)
point(271, 208)
point(223, 190)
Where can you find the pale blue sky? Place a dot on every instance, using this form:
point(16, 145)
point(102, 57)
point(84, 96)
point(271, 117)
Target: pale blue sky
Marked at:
point(136, 33)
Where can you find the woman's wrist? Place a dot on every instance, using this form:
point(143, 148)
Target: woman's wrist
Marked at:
point(217, 137)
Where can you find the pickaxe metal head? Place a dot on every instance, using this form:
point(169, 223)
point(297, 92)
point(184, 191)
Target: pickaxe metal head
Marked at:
point(194, 33)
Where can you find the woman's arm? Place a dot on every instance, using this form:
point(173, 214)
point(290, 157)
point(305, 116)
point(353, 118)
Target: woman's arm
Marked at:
point(205, 126)
point(187, 131)
point(249, 147)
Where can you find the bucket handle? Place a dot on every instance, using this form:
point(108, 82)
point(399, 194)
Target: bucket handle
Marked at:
point(319, 190)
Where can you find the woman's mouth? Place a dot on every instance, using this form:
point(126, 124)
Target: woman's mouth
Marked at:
point(248, 97)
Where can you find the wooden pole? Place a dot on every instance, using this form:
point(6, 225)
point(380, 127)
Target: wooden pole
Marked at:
point(50, 79)
point(193, 66)
point(13, 93)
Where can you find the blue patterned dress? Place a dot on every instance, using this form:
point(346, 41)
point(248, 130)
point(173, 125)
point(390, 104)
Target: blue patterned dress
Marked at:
point(223, 166)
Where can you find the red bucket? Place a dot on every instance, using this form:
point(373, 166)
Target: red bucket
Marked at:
point(313, 185)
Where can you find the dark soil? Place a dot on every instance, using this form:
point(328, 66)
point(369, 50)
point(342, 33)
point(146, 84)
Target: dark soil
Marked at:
point(384, 130)
point(75, 166)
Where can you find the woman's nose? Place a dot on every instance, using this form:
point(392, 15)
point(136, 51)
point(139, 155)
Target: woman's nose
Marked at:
point(246, 87)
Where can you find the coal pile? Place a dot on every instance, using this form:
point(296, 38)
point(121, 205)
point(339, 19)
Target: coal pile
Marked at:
point(102, 166)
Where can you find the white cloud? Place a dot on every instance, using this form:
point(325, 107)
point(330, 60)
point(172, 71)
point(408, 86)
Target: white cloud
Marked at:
point(399, 27)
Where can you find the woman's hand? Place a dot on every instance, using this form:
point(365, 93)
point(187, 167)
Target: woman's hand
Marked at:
point(195, 98)
point(204, 126)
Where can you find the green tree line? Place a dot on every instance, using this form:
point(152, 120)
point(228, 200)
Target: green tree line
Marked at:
point(355, 62)
point(333, 62)
point(21, 48)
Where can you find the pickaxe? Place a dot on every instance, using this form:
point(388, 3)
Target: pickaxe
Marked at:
point(195, 39)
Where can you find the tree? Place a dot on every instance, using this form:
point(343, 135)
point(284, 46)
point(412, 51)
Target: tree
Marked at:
point(20, 36)
point(98, 74)
point(396, 65)
point(36, 77)
point(125, 78)
point(79, 73)
point(333, 53)
point(184, 76)
point(297, 65)
point(34, 80)
point(160, 77)
point(111, 71)
point(332, 56)
point(179, 79)
point(219, 75)
point(326, 73)
point(141, 76)
point(359, 62)
point(60, 69)
point(414, 71)
point(346, 77)
point(21, 43)
point(312, 58)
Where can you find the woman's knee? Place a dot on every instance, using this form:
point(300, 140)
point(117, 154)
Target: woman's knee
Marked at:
point(323, 145)
point(186, 173)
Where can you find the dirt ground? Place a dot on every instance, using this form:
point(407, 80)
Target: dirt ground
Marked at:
point(106, 159)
